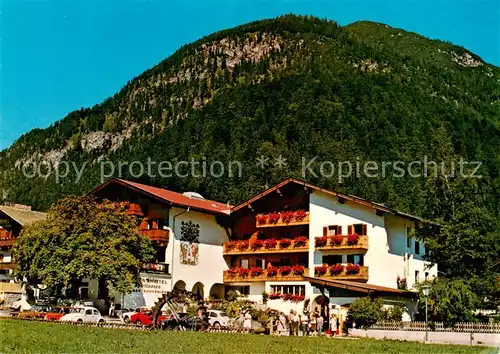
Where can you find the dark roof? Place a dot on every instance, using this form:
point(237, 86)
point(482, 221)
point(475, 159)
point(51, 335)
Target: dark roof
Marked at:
point(22, 216)
point(170, 197)
point(359, 287)
point(352, 198)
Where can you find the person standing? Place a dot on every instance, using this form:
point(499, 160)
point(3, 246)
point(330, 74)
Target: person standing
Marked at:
point(333, 324)
point(304, 320)
point(112, 308)
point(320, 323)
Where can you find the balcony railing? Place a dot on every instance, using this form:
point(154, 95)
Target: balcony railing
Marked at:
point(6, 238)
point(341, 242)
point(342, 272)
point(286, 218)
point(285, 245)
point(235, 275)
point(157, 235)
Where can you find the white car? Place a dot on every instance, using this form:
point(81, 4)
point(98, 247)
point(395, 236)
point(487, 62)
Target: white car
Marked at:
point(218, 318)
point(127, 315)
point(83, 314)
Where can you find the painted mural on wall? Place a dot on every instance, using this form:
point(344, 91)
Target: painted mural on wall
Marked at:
point(190, 243)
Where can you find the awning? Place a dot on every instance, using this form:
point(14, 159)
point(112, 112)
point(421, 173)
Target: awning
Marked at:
point(368, 289)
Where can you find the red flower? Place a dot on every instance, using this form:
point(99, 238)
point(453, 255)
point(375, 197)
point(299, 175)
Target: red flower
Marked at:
point(257, 244)
point(285, 242)
point(272, 271)
point(321, 241)
point(274, 296)
point(243, 245)
point(270, 243)
point(231, 244)
point(337, 240)
point(300, 241)
point(261, 219)
point(274, 217)
point(300, 215)
point(298, 269)
point(287, 297)
point(244, 271)
point(352, 239)
point(336, 269)
point(285, 270)
point(352, 268)
point(233, 271)
point(321, 270)
point(298, 298)
point(256, 270)
point(287, 216)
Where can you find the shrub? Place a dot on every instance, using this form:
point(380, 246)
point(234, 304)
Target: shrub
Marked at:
point(256, 244)
point(352, 269)
point(285, 242)
point(364, 312)
point(321, 270)
point(321, 241)
point(244, 272)
point(298, 269)
point(287, 216)
point(273, 218)
point(285, 270)
point(300, 215)
point(261, 219)
point(270, 243)
point(272, 271)
point(256, 270)
point(352, 239)
point(337, 240)
point(336, 269)
point(300, 241)
point(243, 245)
point(265, 297)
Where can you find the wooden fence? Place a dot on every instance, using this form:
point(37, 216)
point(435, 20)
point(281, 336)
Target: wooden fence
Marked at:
point(469, 327)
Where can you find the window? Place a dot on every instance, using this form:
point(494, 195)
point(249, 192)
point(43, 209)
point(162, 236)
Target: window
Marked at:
point(88, 312)
point(417, 247)
point(260, 263)
point(359, 229)
point(417, 274)
point(355, 259)
point(213, 314)
point(288, 289)
point(334, 230)
point(332, 259)
point(244, 262)
point(426, 276)
point(408, 237)
point(241, 290)
point(284, 262)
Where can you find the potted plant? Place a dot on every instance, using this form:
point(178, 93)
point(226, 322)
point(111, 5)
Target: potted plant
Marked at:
point(244, 272)
point(300, 215)
point(270, 243)
point(255, 271)
point(321, 241)
point(231, 245)
point(285, 270)
point(285, 242)
point(287, 297)
point(274, 296)
point(274, 217)
point(300, 241)
point(336, 269)
point(272, 271)
point(261, 219)
point(298, 298)
point(337, 240)
point(233, 271)
point(352, 269)
point(257, 244)
point(298, 269)
point(287, 216)
point(352, 239)
point(243, 245)
point(320, 270)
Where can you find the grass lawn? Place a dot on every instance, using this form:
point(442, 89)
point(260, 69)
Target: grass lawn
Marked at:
point(35, 337)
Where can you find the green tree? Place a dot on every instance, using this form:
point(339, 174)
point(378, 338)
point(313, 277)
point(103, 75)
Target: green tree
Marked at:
point(365, 312)
point(83, 239)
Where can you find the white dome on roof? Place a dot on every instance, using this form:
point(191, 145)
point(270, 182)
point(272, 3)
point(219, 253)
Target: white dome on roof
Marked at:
point(193, 195)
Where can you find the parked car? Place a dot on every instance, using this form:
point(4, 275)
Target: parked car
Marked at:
point(126, 315)
point(36, 311)
point(146, 318)
point(57, 313)
point(83, 314)
point(218, 318)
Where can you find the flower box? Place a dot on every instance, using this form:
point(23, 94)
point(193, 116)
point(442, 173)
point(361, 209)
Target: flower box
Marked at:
point(321, 241)
point(300, 215)
point(298, 269)
point(352, 269)
point(231, 245)
point(336, 269)
point(273, 218)
point(352, 239)
point(233, 271)
point(256, 271)
point(244, 272)
point(270, 243)
point(337, 240)
point(261, 219)
point(287, 216)
point(243, 245)
point(274, 296)
point(285, 270)
point(300, 241)
point(320, 270)
point(272, 271)
point(257, 244)
point(285, 242)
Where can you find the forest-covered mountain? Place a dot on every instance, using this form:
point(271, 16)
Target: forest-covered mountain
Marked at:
point(291, 86)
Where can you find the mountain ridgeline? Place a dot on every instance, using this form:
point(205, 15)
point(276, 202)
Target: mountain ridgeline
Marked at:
point(298, 87)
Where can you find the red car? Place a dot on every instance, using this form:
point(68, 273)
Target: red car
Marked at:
point(146, 318)
point(57, 313)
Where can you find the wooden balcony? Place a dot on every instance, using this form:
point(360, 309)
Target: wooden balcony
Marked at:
point(7, 265)
point(156, 235)
point(238, 278)
point(332, 243)
point(6, 238)
point(233, 248)
point(281, 222)
point(362, 276)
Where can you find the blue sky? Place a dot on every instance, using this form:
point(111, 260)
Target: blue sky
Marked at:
point(58, 56)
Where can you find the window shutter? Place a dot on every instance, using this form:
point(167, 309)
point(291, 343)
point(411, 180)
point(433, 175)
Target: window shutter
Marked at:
point(364, 229)
point(349, 229)
point(325, 231)
point(339, 230)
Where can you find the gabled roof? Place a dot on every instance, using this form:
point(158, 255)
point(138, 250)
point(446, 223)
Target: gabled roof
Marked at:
point(21, 216)
point(348, 197)
point(359, 287)
point(170, 197)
